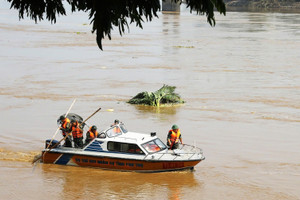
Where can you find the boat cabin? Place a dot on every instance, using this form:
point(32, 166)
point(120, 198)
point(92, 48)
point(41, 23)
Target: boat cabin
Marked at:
point(117, 139)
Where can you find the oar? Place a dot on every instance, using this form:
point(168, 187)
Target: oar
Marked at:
point(59, 126)
point(38, 158)
point(91, 115)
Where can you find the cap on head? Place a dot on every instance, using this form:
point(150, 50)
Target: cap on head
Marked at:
point(175, 127)
point(62, 118)
point(94, 127)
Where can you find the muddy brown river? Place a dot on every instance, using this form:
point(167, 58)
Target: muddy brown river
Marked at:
point(240, 80)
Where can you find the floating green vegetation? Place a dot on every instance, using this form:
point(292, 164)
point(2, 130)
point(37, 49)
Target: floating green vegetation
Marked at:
point(163, 96)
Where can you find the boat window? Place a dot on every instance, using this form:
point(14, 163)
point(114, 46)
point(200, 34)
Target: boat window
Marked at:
point(113, 146)
point(160, 143)
point(124, 147)
point(124, 129)
point(154, 146)
point(114, 131)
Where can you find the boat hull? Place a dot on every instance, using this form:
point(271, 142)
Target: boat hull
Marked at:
point(119, 164)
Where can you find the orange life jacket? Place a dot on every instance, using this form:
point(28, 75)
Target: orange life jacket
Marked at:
point(65, 122)
point(65, 125)
point(91, 134)
point(174, 136)
point(117, 129)
point(77, 132)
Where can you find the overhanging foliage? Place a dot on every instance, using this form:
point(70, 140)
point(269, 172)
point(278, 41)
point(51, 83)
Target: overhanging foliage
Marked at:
point(105, 14)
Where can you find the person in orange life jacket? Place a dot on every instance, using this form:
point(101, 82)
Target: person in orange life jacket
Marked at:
point(65, 127)
point(174, 136)
point(116, 129)
point(77, 133)
point(116, 122)
point(91, 134)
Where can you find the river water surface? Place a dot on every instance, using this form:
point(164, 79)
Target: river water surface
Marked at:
point(240, 81)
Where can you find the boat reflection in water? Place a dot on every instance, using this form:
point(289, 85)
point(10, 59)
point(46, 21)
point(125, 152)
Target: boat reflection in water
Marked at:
point(118, 149)
point(82, 183)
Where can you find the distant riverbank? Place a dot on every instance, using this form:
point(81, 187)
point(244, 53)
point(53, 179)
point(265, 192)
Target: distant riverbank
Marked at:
point(263, 5)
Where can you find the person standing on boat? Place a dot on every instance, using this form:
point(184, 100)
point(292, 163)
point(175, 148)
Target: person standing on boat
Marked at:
point(65, 127)
point(77, 133)
point(174, 136)
point(91, 134)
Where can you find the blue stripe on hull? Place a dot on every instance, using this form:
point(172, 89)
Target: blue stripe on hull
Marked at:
point(64, 159)
point(95, 146)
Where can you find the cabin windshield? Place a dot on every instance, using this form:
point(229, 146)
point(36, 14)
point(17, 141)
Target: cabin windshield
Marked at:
point(114, 131)
point(154, 146)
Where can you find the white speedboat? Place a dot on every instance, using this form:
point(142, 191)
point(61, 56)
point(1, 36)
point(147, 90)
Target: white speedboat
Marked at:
point(116, 148)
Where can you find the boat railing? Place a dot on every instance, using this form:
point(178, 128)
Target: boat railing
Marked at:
point(185, 150)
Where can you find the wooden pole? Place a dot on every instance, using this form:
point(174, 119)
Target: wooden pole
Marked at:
point(91, 115)
point(59, 127)
point(38, 158)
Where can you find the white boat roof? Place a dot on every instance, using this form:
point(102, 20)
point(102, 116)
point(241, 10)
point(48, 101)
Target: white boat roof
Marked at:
point(133, 137)
point(127, 136)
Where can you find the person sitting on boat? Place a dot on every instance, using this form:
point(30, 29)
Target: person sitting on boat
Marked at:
point(116, 122)
point(91, 134)
point(174, 136)
point(65, 127)
point(116, 128)
point(77, 133)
